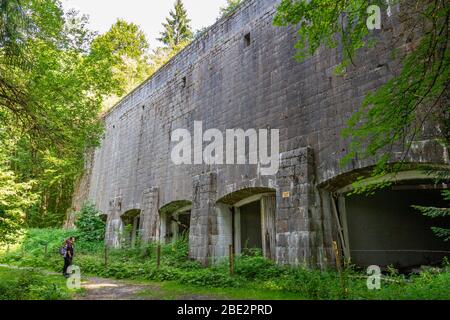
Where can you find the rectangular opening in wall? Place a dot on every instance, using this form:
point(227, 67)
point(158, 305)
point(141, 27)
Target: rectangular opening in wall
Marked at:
point(183, 82)
point(248, 39)
point(251, 226)
point(184, 223)
point(384, 229)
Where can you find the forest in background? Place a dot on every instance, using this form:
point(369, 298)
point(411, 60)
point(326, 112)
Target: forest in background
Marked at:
point(57, 78)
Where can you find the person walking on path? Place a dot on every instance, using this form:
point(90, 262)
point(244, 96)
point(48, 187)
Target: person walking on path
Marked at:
point(68, 253)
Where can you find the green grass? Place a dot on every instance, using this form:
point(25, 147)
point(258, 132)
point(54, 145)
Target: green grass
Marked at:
point(255, 277)
point(32, 285)
point(173, 290)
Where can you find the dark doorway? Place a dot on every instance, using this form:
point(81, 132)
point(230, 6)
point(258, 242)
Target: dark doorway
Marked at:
point(184, 220)
point(131, 222)
point(384, 229)
point(177, 225)
point(251, 237)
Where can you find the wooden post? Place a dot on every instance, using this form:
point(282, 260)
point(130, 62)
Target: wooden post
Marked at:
point(337, 256)
point(158, 255)
point(231, 258)
point(339, 267)
point(233, 226)
point(340, 229)
point(106, 256)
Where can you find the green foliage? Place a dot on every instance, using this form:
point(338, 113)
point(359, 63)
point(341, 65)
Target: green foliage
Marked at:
point(54, 78)
point(230, 7)
point(255, 267)
point(43, 79)
point(198, 33)
point(208, 278)
point(89, 224)
point(312, 284)
point(393, 117)
point(397, 111)
point(31, 285)
point(15, 199)
point(161, 55)
point(49, 103)
point(121, 58)
point(177, 29)
point(327, 22)
point(122, 39)
point(252, 272)
point(175, 253)
point(36, 240)
point(433, 212)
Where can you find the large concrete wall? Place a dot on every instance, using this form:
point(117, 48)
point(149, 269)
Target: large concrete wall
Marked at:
point(221, 80)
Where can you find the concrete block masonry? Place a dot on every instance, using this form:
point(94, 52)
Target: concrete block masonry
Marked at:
point(227, 81)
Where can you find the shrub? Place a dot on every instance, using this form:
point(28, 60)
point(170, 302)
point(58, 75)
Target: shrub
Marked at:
point(208, 278)
point(30, 285)
point(37, 241)
point(251, 271)
point(255, 266)
point(89, 224)
point(312, 284)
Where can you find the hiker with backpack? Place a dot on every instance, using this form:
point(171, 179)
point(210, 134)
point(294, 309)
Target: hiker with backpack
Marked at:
point(67, 253)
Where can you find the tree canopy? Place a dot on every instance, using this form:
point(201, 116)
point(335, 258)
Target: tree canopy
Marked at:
point(177, 29)
point(56, 79)
point(52, 86)
point(122, 57)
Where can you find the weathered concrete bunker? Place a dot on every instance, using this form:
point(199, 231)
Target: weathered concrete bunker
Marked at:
point(242, 74)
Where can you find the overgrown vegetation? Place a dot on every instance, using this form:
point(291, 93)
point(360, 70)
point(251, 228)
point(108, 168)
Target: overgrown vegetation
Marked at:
point(413, 104)
point(15, 197)
point(123, 59)
point(252, 272)
point(396, 114)
point(31, 285)
point(56, 78)
point(49, 100)
point(443, 176)
point(89, 224)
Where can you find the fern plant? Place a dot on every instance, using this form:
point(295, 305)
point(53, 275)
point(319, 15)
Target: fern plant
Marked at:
point(434, 212)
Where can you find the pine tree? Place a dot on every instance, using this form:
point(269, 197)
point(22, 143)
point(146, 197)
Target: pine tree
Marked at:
point(177, 27)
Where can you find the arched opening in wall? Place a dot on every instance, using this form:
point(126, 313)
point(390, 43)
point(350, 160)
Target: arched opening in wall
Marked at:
point(175, 220)
point(251, 222)
point(130, 233)
point(384, 229)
